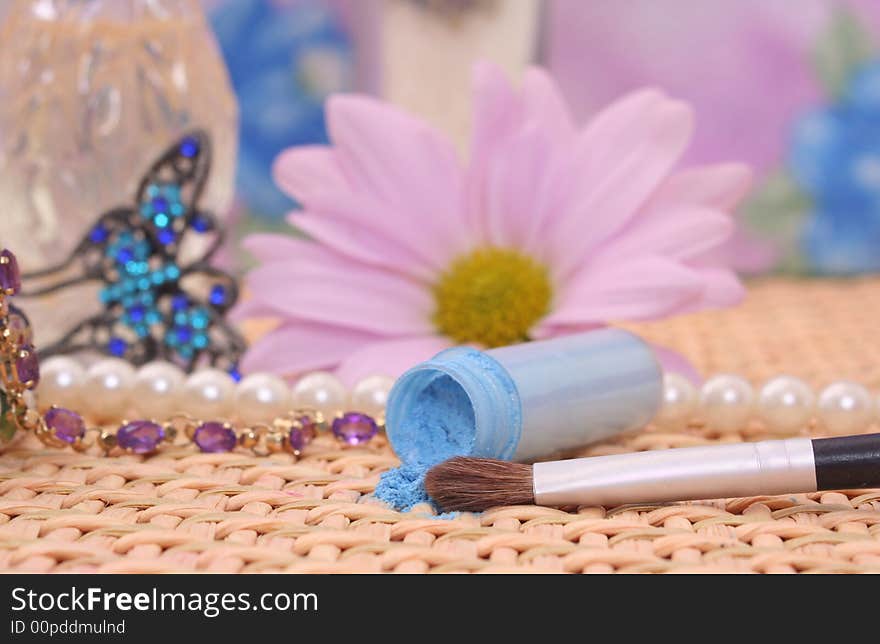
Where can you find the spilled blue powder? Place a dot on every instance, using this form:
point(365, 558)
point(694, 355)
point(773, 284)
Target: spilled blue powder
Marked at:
point(440, 425)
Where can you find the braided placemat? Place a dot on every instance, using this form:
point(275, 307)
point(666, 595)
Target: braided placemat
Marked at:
point(183, 511)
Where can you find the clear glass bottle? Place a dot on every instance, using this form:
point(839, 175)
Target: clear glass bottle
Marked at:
point(91, 92)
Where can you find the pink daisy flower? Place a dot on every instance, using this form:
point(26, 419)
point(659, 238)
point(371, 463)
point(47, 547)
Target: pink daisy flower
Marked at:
point(547, 229)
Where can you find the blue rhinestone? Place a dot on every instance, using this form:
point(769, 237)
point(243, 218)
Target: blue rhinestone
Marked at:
point(201, 224)
point(117, 346)
point(99, 234)
point(181, 317)
point(146, 211)
point(142, 330)
point(200, 319)
point(179, 302)
point(125, 255)
point(183, 334)
point(177, 209)
point(159, 204)
point(161, 220)
point(235, 374)
point(166, 236)
point(152, 190)
point(136, 313)
point(218, 295)
point(189, 147)
point(200, 341)
point(172, 272)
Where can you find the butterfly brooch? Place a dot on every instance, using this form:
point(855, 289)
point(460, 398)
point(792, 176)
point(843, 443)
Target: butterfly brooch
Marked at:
point(161, 297)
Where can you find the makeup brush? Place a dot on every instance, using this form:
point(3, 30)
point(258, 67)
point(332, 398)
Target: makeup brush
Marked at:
point(711, 472)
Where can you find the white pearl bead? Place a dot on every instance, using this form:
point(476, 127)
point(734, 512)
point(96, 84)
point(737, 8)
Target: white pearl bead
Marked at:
point(679, 401)
point(320, 391)
point(727, 402)
point(108, 389)
point(157, 388)
point(371, 394)
point(261, 397)
point(209, 394)
point(785, 404)
point(845, 408)
point(61, 382)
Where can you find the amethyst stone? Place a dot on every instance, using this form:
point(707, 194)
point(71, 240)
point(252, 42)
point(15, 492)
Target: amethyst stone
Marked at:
point(28, 366)
point(214, 437)
point(10, 276)
point(309, 428)
point(65, 424)
point(297, 439)
point(140, 436)
point(355, 428)
point(301, 436)
point(20, 331)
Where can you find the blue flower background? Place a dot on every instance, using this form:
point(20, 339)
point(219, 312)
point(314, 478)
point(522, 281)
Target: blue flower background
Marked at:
point(835, 158)
point(284, 58)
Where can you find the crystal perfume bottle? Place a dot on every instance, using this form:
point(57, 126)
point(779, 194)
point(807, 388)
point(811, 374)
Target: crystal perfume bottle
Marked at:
point(90, 92)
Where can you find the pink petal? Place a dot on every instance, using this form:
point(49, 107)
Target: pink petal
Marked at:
point(308, 172)
point(389, 357)
point(251, 307)
point(640, 288)
point(297, 347)
point(516, 206)
point(620, 159)
point(544, 104)
point(673, 362)
point(680, 232)
point(508, 122)
point(359, 243)
point(407, 168)
point(345, 294)
point(720, 187)
point(722, 288)
point(313, 174)
point(498, 112)
point(268, 247)
point(544, 329)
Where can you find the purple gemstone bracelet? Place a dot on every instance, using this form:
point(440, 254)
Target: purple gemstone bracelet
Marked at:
point(60, 427)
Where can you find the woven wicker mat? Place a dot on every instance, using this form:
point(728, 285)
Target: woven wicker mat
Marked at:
point(182, 511)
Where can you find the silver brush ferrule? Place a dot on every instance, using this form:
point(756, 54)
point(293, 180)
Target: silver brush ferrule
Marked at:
point(711, 472)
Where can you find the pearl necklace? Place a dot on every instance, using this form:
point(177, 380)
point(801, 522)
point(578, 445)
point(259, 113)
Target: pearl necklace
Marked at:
point(111, 387)
point(783, 405)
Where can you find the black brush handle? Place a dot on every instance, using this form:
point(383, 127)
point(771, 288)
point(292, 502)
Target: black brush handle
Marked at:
point(848, 462)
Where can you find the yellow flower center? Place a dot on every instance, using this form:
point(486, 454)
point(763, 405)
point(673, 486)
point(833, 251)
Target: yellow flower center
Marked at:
point(491, 297)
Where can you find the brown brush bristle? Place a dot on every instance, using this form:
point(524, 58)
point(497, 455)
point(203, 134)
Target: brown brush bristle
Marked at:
point(477, 484)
